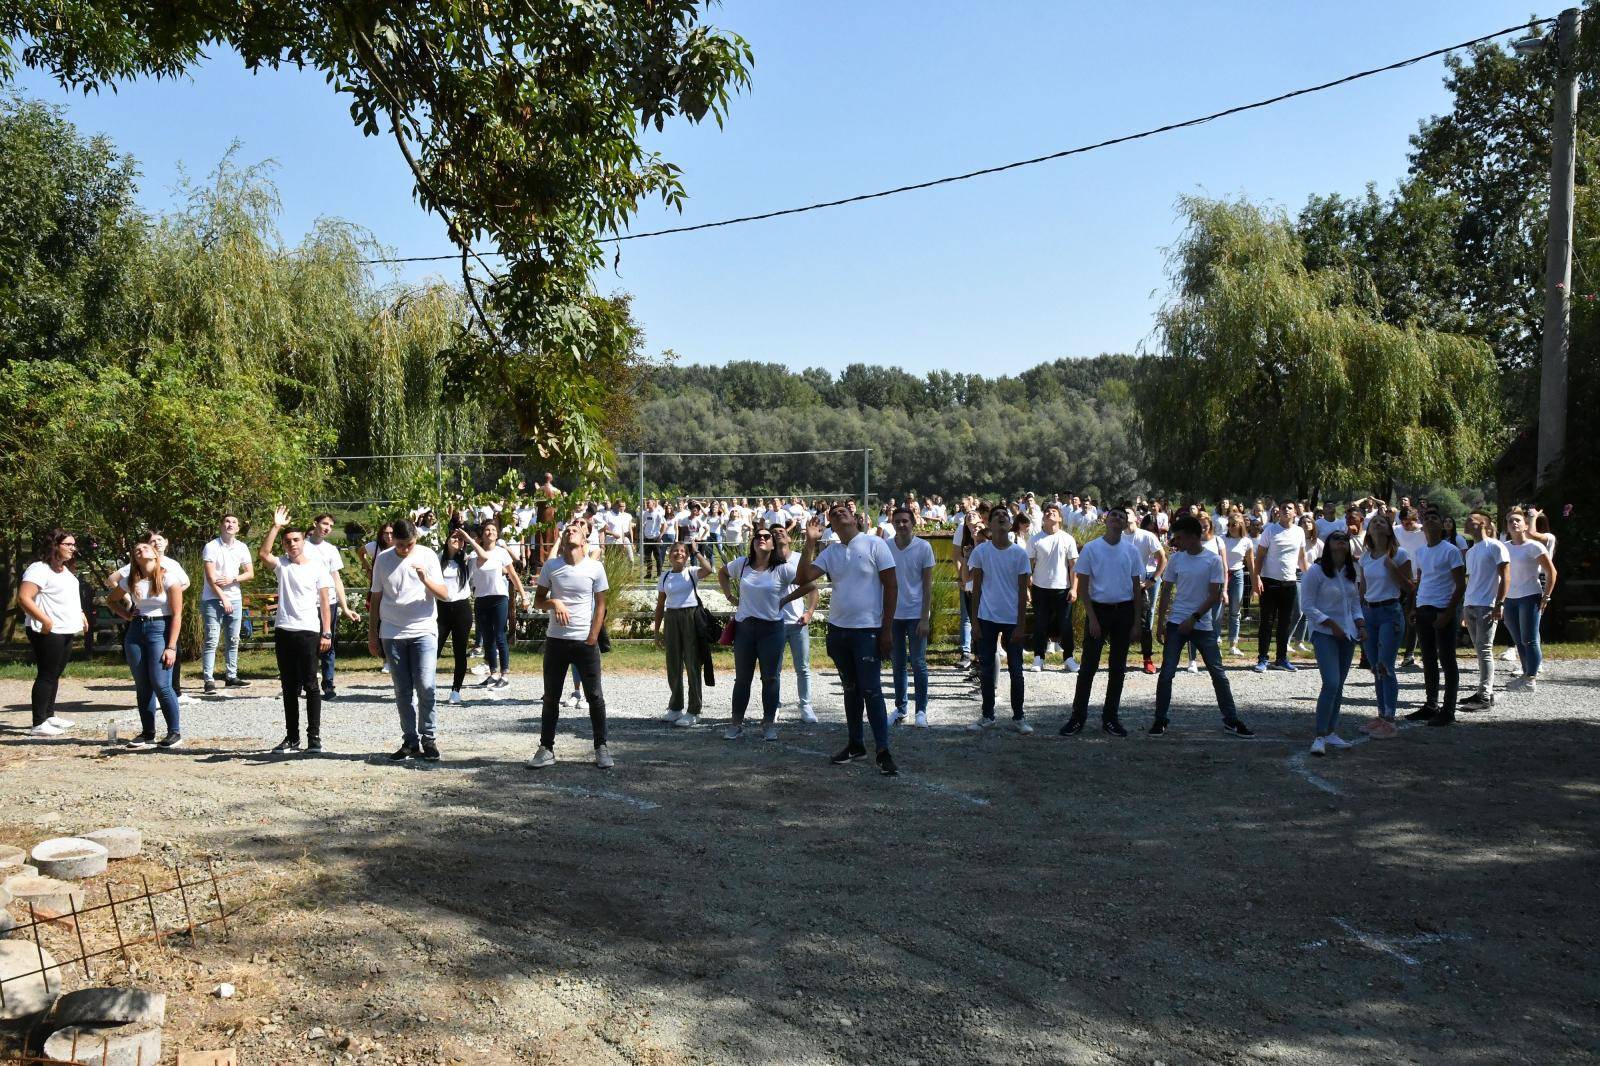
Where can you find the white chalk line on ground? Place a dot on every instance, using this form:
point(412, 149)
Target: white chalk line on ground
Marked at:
point(596, 793)
point(1392, 948)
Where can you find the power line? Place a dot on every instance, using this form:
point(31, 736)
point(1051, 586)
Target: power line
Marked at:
point(984, 172)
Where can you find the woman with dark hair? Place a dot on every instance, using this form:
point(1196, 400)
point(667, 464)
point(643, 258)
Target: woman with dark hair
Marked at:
point(758, 636)
point(677, 632)
point(1239, 554)
point(1300, 632)
point(383, 539)
point(51, 601)
point(1533, 579)
point(1386, 582)
point(151, 599)
point(455, 612)
point(494, 577)
point(1331, 599)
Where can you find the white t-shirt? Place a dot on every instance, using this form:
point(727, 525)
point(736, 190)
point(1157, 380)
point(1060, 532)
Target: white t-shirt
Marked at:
point(576, 585)
point(326, 553)
point(1191, 578)
point(853, 568)
point(1326, 526)
point(405, 607)
point(58, 597)
point(650, 523)
point(1380, 583)
point(1525, 568)
point(774, 518)
point(229, 560)
point(299, 602)
point(1412, 540)
point(145, 604)
point(1052, 555)
point(908, 567)
point(620, 525)
point(1237, 548)
point(1483, 572)
point(1000, 568)
point(489, 575)
point(1146, 544)
point(679, 587)
point(1437, 564)
point(760, 590)
point(1326, 600)
point(734, 528)
point(1111, 568)
point(1282, 559)
point(452, 574)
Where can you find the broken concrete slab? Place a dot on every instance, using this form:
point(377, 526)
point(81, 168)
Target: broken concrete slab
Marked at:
point(30, 988)
point(100, 1008)
point(45, 893)
point(71, 858)
point(126, 1045)
point(11, 858)
point(121, 842)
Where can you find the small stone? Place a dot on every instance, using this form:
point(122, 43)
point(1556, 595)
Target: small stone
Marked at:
point(223, 991)
point(316, 1033)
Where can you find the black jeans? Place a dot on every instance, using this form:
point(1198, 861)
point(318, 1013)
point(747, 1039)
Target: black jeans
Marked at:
point(1116, 628)
point(990, 634)
point(1052, 620)
point(655, 555)
point(298, 672)
point(1277, 615)
point(50, 652)
point(455, 622)
point(1439, 653)
point(560, 656)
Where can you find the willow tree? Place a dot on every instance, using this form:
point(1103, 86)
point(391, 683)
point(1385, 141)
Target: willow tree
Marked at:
point(1273, 377)
point(520, 121)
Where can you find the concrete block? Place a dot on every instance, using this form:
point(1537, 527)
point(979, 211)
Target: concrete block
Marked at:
point(11, 858)
point(99, 1008)
point(123, 842)
point(45, 893)
point(70, 858)
point(27, 991)
point(127, 1045)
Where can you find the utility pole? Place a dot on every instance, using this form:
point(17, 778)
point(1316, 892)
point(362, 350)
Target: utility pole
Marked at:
point(1558, 256)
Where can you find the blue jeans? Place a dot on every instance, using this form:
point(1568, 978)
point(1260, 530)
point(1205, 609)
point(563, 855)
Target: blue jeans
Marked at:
point(798, 638)
point(1333, 663)
point(1385, 625)
point(1235, 604)
point(1206, 641)
point(966, 623)
point(224, 626)
point(757, 641)
point(1522, 619)
point(413, 663)
point(855, 656)
point(493, 613)
point(142, 645)
point(990, 634)
point(908, 644)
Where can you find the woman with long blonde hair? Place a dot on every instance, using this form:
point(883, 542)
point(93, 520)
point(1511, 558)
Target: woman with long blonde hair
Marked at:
point(1384, 574)
point(150, 596)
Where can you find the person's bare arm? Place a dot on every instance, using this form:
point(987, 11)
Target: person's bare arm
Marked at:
point(599, 618)
point(26, 599)
point(175, 605)
point(267, 554)
point(1024, 582)
point(925, 622)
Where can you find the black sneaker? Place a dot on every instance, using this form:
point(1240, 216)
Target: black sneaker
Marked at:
point(430, 751)
point(1158, 728)
point(405, 751)
point(850, 753)
point(1443, 718)
point(1073, 727)
point(1478, 701)
point(314, 745)
point(211, 687)
point(1237, 728)
point(171, 740)
point(235, 682)
point(1114, 727)
point(485, 683)
point(1423, 713)
point(886, 765)
point(287, 746)
point(329, 694)
point(143, 740)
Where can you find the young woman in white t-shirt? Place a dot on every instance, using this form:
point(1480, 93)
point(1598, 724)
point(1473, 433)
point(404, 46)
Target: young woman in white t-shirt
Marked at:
point(676, 630)
point(151, 599)
point(51, 599)
point(1239, 554)
point(455, 612)
point(1533, 580)
point(1300, 633)
point(758, 636)
point(1387, 582)
point(494, 579)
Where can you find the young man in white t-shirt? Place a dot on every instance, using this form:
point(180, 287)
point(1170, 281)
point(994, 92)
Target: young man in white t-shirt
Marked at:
point(861, 614)
point(303, 629)
point(326, 552)
point(1191, 588)
point(651, 520)
point(403, 628)
point(572, 587)
point(913, 567)
point(1441, 586)
point(1280, 560)
point(1053, 553)
point(1110, 578)
point(227, 566)
point(1488, 583)
point(999, 571)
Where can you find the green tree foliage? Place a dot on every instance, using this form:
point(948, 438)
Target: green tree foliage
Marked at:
point(520, 121)
point(1275, 376)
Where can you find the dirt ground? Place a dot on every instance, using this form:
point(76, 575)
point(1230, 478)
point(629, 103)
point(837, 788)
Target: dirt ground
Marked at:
point(1008, 899)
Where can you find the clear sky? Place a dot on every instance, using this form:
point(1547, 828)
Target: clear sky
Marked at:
point(990, 276)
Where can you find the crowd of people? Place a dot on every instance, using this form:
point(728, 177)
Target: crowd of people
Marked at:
point(1379, 579)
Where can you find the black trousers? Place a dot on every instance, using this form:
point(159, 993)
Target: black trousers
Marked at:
point(298, 672)
point(1052, 620)
point(560, 656)
point(1439, 656)
point(655, 557)
point(1277, 615)
point(1116, 628)
point(50, 652)
point(455, 623)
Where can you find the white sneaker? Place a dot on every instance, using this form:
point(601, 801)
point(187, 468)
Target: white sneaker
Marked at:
point(686, 721)
point(1530, 685)
point(733, 732)
point(571, 699)
point(1022, 725)
point(1235, 653)
point(898, 717)
point(542, 758)
point(1071, 665)
point(1509, 655)
point(603, 759)
point(1194, 668)
point(59, 722)
point(769, 732)
point(1334, 740)
point(185, 699)
point(479, 669)
point(385, 668)
point(981, 724)
point(672, 715)
point(580, 703)
point(45, 729)
point(1318, 747)
point(455, 696)
point(922, 719)
point(808, 716)
point(1038, 664)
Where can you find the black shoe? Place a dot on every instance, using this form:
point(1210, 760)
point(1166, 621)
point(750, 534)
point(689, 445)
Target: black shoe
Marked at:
point(1157, 729)
point(171, 740)
point(1238, 729)
point(430, 751)
point(406, 750)
point(329, 694)
point(314, 745)
point(850, 753)
point(1423, 713)
point(1114, 727)
point(1443, 718)
point(485, 683)
point(211, 687)
point(287, 746)
point(1073, 727)
point(143, 740)
point(886, 765)
point(235, 682)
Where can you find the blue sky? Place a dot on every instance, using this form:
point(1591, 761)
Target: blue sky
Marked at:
point(988, 276)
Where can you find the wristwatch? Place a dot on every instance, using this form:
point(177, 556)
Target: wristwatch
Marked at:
point(327, 636)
